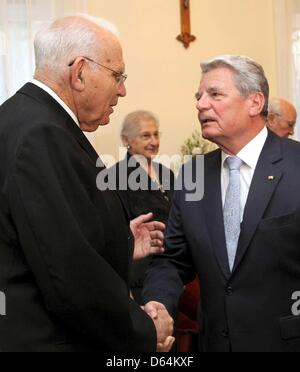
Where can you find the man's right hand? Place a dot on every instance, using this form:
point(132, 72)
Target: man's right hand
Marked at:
point(164, 325)
point(166, 346)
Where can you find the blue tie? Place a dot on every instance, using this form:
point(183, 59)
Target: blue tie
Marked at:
point(232, 208)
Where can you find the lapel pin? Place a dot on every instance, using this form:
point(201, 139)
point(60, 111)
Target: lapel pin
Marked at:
point(271, 178)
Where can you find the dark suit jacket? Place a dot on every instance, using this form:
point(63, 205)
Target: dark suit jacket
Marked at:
point(249, 309)
point(64, 245)
point(148, 198)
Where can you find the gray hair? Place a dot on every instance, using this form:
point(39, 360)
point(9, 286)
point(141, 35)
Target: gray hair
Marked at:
point(275, 106)
point(62, 41)
point(249, 76)
point(131, 123)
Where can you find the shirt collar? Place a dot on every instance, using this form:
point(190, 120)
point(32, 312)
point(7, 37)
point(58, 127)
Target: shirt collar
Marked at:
point(251, 152)
point(57, 98)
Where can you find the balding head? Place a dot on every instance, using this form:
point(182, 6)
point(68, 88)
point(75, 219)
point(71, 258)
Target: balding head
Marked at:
point(282, 117)
point(81, 60)
point(70, 37)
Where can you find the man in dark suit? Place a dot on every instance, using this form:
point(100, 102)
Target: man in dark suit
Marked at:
point(66, 247)
point(243, 237)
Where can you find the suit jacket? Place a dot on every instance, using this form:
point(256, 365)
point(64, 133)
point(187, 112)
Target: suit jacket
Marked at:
point(65, 247)
point(149, 198)
point(249, 309)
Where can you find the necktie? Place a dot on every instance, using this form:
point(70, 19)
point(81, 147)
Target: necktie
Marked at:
point(232, 208)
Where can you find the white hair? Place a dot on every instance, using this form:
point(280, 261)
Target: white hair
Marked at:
point(132, 122)
point(249, 76)
point(275, 106)
point(61, 42)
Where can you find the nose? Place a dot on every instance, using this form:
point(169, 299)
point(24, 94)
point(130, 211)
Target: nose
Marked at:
point(203, 103)
point(122, 92)
point(154, 141)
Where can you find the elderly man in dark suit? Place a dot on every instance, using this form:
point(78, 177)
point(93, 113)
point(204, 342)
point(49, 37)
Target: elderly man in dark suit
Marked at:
point(65, 247)
point(243, 237)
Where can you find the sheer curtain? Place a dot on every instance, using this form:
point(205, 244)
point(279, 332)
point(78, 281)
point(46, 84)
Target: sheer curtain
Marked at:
point(287, 22)
point(296, 58)
point(19, 21)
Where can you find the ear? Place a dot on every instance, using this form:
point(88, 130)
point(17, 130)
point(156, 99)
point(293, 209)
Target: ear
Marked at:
point(77, 75)
point(257, 102)
point(125, 140)
point(271, 119)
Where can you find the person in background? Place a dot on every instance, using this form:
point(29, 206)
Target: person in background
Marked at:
point(66, 246)
point(282, 117)
point(140, 134)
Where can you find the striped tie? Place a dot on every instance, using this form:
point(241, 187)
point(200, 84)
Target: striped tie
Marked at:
point(232, 208)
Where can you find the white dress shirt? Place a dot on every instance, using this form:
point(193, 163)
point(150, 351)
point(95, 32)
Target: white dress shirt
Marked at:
point(250, 155)
point(57, 99)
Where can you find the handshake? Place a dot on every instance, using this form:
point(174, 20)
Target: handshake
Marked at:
point(164, 325)
point(149, 240)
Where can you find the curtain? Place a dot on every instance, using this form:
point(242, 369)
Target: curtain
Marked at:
point(296, 58)
point(287, 26)
point(19, 21)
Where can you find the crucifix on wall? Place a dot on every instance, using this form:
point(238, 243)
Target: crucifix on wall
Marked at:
point(185, 37)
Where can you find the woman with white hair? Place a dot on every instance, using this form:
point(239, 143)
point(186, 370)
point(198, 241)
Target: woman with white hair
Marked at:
point(145, 186)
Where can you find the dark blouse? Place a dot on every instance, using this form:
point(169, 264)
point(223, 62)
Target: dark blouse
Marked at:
point(149, 197)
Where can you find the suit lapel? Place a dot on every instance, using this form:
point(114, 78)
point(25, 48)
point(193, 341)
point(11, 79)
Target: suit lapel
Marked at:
point(214, 210)
point(63, 117)
point(265, 181)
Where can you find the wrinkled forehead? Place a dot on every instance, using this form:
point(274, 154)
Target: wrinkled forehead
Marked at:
point(289, 112)
point(221, 77)
point(147, 125)
point(293, 114)
point(108, 48)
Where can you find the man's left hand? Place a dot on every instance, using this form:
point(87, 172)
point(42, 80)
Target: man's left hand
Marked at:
point(149, 236)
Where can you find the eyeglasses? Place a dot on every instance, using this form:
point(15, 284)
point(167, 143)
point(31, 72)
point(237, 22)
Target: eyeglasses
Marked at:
point(118, 76)
point(290, 123)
